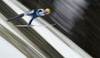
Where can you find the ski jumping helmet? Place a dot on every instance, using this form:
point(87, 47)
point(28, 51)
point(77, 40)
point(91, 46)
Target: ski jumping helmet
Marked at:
point(47, 10)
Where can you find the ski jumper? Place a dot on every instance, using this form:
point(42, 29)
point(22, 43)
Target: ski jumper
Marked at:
point(34, 13)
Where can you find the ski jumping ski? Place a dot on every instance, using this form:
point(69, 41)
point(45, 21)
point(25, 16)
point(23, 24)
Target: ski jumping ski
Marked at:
point(35, 25)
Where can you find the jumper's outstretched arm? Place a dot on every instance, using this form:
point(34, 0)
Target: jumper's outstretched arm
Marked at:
point(17, 17)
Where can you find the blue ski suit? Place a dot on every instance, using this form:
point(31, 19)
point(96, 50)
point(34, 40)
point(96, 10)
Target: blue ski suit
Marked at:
point(35, 13)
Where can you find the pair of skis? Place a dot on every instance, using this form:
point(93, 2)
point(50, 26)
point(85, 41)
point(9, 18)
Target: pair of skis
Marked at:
point(35, 25)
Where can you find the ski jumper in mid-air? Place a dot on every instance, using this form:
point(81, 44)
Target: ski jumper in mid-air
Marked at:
point(34, 13)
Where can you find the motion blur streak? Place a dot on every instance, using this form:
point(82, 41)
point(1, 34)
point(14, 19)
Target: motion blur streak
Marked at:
point(84, 29)
point(67, 12)
point(79, 20)
point(12, 35)
point(9, 50)
point(49, 40)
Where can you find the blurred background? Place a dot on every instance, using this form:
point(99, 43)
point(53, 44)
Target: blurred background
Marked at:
point(75, 35)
